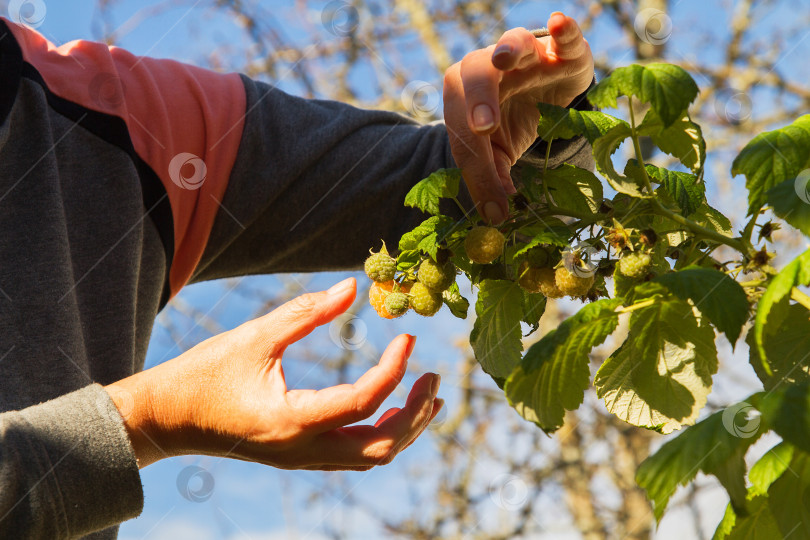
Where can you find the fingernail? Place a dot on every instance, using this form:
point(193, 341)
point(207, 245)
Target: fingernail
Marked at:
point(483, 117)
point(437, 381)
point(502, 50)
point(493, 213)
point(341, 287)
point(411, 344)
point(439, 404)
point(556, 13)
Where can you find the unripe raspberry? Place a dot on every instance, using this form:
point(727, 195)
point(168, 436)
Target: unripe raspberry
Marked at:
point(571, 284)
point(436, 277)
point(381, 267)
point(547, 283)
point(423, 301)
point(529, 277)
point(397, 304)
point(484, 244)
point(634, 265)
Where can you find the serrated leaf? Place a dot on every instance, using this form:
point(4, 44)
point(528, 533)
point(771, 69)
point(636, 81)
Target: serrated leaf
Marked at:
point(788, 350)
point(554, 237)
point(686, 189)
point(574, 188)
point(534, 305)
point(564, 123)
point(661, 375)
point(410, 240)
point(713, 219)
point(496, 335)
point(772, 307)
point(707, 446)
point(773, 157)
point(408, 259)
point(721, 299)
point(453, 299)
point(789, 205)
point(554, 373)
point(603, 149)
point(669, 89)
point(789, 498)
point(769, 468)
point(786, 410)
point(425, 195)
point(682, 140)
point(758, 524)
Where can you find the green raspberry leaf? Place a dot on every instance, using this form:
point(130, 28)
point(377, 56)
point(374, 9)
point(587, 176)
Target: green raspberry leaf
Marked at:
point(554, 374)
point(682, 140)
point(496, 335)
point(661, 375)
point(408, 259)
point(758, 524)
point(715, 294)
point(708, 446)
point(786, 410)
point(773, 306)
point(713, 219)
point(686, 189)
point(791, 201)
point(534, 305)
point(564, 123)
point(574, 188)
point(459, 306)
point(773, 157)
point(603, 149)
point(425, 195)
point(411, 239)
point(787, 349)
point(769, 468)
point(669, 89)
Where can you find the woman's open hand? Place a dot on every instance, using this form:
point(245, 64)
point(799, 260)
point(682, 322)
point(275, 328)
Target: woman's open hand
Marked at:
point(228, 397)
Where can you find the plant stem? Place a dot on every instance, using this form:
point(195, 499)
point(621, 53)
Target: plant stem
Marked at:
point(735, 243)
point(640, 305)
point(800, 297)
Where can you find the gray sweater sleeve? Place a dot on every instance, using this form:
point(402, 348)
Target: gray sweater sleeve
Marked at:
point(41, 450)
point(317, 183)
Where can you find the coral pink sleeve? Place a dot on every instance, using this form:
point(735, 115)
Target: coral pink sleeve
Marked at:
point(185, 122)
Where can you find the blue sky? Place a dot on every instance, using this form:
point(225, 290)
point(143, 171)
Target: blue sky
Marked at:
point(251, 501)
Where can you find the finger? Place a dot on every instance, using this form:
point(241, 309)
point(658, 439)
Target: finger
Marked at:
point(473, 152)
point(386, 415)
point(481, 81)
point(337, 406)
point(297, 318)
point(567, 40)
point(336, 468)
point(516, 49)
point(378, 445)
point(438, 403)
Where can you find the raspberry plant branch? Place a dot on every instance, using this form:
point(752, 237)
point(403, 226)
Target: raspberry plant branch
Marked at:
point(654, 241)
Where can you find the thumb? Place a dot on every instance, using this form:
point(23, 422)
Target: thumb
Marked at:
point(295, 319)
